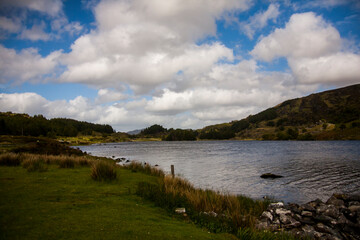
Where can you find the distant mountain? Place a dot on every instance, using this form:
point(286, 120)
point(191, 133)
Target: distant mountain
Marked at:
point(134, 132)
point(328, 115)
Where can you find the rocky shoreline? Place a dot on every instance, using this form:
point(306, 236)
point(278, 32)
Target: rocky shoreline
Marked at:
point(337, 218)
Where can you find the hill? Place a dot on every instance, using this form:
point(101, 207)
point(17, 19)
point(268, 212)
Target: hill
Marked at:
point(329, 115)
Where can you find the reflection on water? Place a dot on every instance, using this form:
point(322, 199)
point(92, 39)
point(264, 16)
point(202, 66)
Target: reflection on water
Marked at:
point(311, 169)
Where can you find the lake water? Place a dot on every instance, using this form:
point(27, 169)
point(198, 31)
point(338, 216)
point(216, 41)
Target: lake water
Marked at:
point(311, 169)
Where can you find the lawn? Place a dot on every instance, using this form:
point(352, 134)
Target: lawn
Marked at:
point(68, 204)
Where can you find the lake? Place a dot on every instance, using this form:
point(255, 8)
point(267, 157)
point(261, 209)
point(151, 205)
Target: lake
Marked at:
point(311, 169)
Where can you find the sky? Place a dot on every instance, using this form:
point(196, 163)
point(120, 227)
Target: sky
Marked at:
point(177, 63)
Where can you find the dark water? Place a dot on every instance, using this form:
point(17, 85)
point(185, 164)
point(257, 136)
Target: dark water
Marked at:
point(311, 169)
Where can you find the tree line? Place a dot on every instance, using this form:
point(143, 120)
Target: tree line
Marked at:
point(38, 125)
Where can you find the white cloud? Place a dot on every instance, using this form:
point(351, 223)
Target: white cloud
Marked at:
point(145, 44)
point(30, 103)
point(108, 95)
point(260, 20)
point(27, 65)
point(305, 35)
point(50, 7)
point(35, 33)
point(314, 50)
point(9, 25)
point(339, 69)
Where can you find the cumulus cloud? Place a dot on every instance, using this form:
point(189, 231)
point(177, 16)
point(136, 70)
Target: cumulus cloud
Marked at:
point(26, 65)
point(50, 7)
point(19, 13)
point(9, 25)
point(314, 50)
point(305, 35)
point(108, 95)
point(145, 44)
point(260, 20)
point(35, 33)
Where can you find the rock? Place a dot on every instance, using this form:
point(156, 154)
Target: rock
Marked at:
point(276, 205)
point(282, 211)
point(316, 203)
point(307, 207)
point(323, 219)
point(306, 213)
point(307, 220)
point(270, 175)
point(332, 211)
point(293, 208)
point(321, 209)
point(267, 215)
point(285, 219)
point(333, 200)
point(354, 208)
point(180, 210)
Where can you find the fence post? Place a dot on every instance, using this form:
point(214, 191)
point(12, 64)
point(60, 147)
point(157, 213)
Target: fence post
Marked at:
point(172, 171)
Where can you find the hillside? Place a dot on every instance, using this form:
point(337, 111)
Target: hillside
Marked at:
point(329, 115)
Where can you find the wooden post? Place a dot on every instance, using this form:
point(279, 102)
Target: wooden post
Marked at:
point(172, 171)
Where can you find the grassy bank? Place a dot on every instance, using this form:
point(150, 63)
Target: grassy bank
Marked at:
point(66, 203)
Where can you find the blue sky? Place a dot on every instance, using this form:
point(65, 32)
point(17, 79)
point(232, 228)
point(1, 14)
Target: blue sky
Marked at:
point(182, 64)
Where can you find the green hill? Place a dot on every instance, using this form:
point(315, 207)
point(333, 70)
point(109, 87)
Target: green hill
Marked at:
point(329, 115)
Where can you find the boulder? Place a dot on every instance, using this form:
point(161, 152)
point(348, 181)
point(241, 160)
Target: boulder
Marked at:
point(270, 175)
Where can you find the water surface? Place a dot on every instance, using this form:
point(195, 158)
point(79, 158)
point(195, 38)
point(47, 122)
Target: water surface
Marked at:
point(311, 169)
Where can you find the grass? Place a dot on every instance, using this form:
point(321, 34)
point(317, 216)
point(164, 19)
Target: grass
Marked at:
point(67, 204)
point(103, 171)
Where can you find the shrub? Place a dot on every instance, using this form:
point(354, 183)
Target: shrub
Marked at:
point(103, 171)
point(34, 164)
point(10, 159)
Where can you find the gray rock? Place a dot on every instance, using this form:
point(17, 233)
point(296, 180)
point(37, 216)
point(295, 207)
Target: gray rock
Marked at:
point(276, 205)
point(354, 208)
point(282, 211)
point(267, 215)
point(332, 211)
point(306, 213)
point(307, 207)
point(286, 219)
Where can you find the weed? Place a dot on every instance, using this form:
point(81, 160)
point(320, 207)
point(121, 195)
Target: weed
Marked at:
point(103, 171)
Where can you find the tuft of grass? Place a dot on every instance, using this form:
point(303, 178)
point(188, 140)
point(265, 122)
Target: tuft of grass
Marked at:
point(103, 171)
point(66, 162)
point(10, 159)
point(145, 168)
point(34, 164)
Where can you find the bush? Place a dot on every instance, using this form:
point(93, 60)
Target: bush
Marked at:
point(103, 171)
point(10, 159)
point(34, 164)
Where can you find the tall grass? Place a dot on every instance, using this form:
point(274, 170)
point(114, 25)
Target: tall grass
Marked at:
point(103, 171)
point(217, 211)
point(34, 163)
point(145, 168)
point(63, 161)
point(10, 159)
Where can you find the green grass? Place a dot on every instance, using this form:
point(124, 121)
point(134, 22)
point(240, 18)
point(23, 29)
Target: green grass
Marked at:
point(68, 204)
